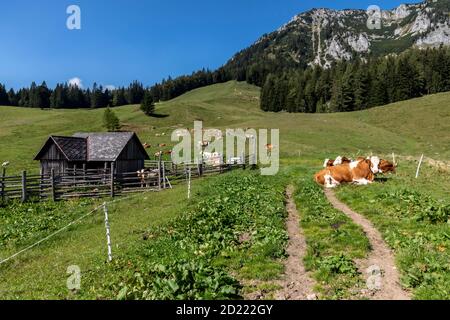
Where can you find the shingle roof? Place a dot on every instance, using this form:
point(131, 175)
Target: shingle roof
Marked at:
point(92, 146)
point(105, 146)
point(75, 149)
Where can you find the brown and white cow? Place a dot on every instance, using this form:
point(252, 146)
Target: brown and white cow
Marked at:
point(384, 166)
point(147, 177)
point(361, 172)
point(339, 160)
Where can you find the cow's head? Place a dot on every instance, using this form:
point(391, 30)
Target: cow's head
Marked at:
point(374, 164)
point(386, 166)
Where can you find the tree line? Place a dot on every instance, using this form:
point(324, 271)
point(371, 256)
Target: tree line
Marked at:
point(357, 85)
point(66, 96)
point(346, 86)
point(71, 96)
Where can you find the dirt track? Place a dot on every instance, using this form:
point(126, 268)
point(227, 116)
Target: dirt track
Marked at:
point(296, 282)
point(380, 257)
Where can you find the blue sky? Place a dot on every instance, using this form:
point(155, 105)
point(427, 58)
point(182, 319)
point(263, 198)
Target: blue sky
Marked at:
point(124, 40)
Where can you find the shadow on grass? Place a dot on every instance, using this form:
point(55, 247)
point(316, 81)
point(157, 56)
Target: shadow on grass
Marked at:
point(382, 179)
point(159, 116)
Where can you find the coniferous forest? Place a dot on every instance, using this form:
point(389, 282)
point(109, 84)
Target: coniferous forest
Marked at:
point(345, 86)
point(357, 85)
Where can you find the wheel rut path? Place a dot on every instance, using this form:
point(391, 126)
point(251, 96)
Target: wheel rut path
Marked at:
point(296, 283)
point(380, 258)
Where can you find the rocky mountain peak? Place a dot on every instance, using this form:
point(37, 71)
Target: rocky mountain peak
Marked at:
point(322, 36)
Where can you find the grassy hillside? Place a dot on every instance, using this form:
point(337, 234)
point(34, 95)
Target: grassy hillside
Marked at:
point(409, 127)
point(406, 208)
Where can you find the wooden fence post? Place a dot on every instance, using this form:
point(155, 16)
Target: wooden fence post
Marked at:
point(164, 174)
point(24, 186)
point(418, 167)
point(52, 183)
point(108, 232)
point(41, 182)
point(2, 190)
point(84, 172)
point(189, 183)
point(200, 169)
point(105, 172)
point(159, 172)
point(112, 180)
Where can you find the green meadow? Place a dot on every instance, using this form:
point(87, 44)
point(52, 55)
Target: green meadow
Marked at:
point(407, 128)
point(412, 214)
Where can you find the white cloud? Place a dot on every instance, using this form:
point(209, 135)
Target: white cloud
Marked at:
point(75, 82)
point(110, 87)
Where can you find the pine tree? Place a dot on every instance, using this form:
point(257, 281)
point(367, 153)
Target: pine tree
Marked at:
point(323, 89)
point(300, 102)
point(110, 120)
point(291, 100)
point(135, 93)
point(348, 97)
point(409, 80)
point(58, 98)
point(4, 99)
point(361, 92)
point(267, 93)
point(281, 92)
point(97, 97)
point(43, 96)
point(310, 97)
point(24, 98)
point(147, 104)
point(337, 99)
point(378, 95)
point(119, 97)
point(33, 99)
point(13, 98)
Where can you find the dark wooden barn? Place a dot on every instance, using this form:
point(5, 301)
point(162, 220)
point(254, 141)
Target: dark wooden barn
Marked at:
point(93, 151)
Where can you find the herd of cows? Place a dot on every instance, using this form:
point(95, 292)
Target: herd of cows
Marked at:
point(361, 171)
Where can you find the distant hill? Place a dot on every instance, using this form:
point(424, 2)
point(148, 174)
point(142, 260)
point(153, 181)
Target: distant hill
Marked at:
point(324, 37)
point(409, 127)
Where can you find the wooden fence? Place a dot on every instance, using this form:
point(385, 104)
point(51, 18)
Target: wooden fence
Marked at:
point(80, 183)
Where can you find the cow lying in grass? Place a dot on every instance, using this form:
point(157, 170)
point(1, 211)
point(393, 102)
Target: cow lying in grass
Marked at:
point(148, 177)
point(384, 165)
point(361, 171)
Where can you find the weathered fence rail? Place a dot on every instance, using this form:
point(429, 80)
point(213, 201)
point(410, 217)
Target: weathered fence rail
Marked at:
point(80, 183)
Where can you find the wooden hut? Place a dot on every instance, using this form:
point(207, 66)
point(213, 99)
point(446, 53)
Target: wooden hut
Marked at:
point(93, 151)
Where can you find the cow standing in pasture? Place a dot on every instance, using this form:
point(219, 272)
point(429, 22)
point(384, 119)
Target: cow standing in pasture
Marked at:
point(212, 158)
point(148, 177)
